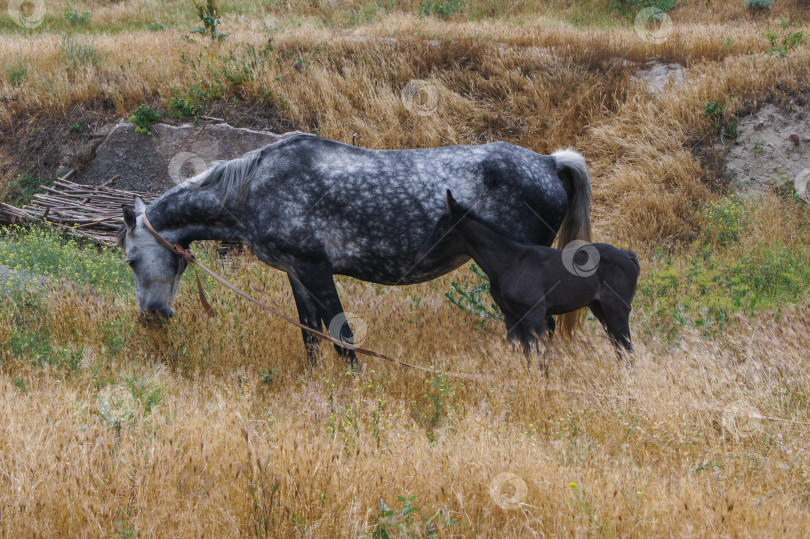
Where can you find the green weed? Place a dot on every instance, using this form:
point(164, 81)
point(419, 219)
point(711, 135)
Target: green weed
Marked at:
point(629, 8)
point(209, 17)
point(787, 43)
point(408, 521)
point(20, 385)
point(145, 391)
point(433, 411)
point(476, 300)
point(724, 221)
point(725, 273)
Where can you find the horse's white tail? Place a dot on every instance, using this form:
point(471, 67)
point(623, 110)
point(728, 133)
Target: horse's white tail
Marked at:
point(576, 225)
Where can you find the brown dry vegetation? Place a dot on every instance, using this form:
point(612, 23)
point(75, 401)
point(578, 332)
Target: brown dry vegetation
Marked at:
point(217, 426)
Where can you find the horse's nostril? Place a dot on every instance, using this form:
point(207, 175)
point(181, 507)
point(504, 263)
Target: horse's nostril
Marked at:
point(158, 312)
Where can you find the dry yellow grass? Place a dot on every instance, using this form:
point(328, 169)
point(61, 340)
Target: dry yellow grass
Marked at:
point(540, 84)
point(315, 451)
point(215, 427)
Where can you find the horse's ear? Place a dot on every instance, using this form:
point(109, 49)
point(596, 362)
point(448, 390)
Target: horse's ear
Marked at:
point(452, 205)
point(140, 205)
point(129, 215)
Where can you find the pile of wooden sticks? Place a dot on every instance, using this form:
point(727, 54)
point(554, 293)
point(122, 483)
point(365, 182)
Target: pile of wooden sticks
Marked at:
point(87, 211)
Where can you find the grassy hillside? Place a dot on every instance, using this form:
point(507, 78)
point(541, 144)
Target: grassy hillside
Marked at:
point(109, 426)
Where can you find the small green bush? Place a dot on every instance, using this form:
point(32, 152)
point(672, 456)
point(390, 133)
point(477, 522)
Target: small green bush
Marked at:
point(442, 9)
point(757, 5)
point(17, 72)
point(629, 8)
point(144, 118)
point(145, 391)
point(21, 189)
point(191, 103)
point(724, 221)
point(788, 42)
point(75, 18)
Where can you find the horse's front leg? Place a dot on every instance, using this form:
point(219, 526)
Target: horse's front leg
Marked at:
point(308, 315)
point(319, 285)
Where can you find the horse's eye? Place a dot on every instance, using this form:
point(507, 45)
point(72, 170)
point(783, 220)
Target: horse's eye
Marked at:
point(132, 263)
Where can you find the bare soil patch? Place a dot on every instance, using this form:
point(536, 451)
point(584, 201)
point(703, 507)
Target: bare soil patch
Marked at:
point(772, 148)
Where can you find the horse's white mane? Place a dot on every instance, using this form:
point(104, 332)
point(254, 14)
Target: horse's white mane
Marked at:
point(228, 178)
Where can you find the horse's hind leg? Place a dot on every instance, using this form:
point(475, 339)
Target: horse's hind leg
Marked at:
point(319, 283)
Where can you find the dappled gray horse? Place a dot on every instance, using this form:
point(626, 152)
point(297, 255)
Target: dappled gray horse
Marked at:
point(313, 207)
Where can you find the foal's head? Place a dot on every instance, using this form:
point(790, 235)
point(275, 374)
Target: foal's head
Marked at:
point(156, 270)
point(444, 235)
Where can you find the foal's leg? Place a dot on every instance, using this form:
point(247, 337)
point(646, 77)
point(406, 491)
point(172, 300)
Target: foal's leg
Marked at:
point(513, 329)
point(551, 325)
point(534, 329)
point(319, 282)
point(615, 318)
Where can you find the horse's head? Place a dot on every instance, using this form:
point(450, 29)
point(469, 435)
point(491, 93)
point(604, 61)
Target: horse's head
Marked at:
point(157, 270)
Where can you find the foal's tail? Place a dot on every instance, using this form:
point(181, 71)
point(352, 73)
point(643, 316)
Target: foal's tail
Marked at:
point(576, 225)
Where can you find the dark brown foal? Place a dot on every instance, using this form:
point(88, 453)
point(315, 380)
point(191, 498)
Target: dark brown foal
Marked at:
point(530, 283)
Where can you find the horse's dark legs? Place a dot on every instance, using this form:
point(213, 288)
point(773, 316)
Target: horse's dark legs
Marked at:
point(308, 314)
point(319, 284)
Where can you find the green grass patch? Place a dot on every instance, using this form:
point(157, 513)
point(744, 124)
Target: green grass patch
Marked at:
point(35, 345)
point(43, 251)
point(17, 72)
point(726, 272)
point(77, 54)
